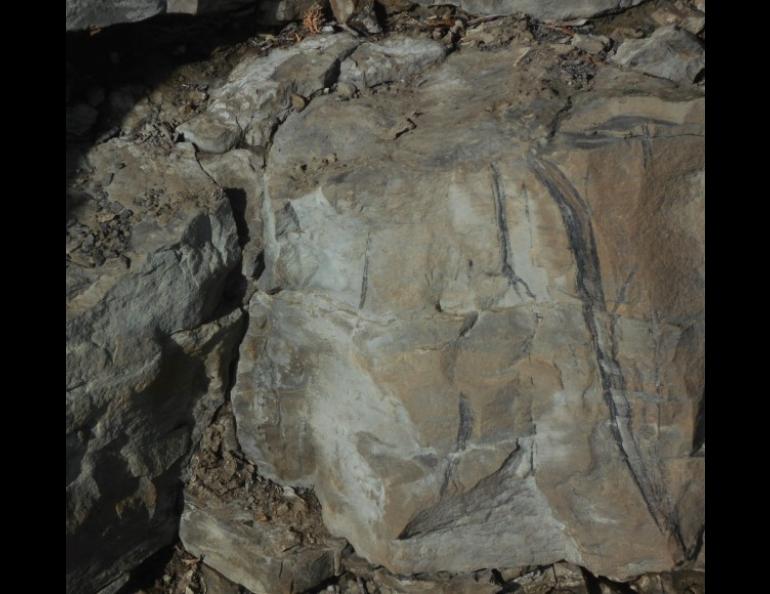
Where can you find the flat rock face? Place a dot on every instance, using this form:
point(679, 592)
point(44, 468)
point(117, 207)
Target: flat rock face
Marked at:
point(392, 59)
point(480, 332)
point(151, 240)
point(540, 9)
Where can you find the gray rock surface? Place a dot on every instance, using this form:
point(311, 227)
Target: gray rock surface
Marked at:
point(146, 365)
point(82, 14)
point(393, 59)
point(205, 6)
point(593, 44)
point(668, 53)
point(469, 349)
point(553, 10)
point(358, 13)
point(238, 172)
point(257, 94)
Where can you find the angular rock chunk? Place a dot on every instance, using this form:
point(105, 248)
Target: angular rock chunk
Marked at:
point(146, 365)
point(389, 60)
point(257, 94)
point(238, 173)
point(668, 53)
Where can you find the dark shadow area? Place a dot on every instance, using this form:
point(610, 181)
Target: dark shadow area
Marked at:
point(699, 435)
point(237, 199)
point(136, 516)
point(599, 584)
point(108, 72)
point(145, 575)
point(381, 14)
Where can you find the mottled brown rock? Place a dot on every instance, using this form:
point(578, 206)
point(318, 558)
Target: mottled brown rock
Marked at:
point(481, 341)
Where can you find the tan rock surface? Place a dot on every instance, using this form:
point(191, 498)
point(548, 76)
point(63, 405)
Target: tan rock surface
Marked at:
point(483, 345)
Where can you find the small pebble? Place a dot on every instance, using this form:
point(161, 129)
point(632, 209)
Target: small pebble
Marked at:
point(346, 90)
point(298, 102)
point(591, 44)
point(694, 24)
point(561, 48)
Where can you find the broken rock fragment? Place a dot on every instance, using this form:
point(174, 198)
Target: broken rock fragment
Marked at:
point(668, 53)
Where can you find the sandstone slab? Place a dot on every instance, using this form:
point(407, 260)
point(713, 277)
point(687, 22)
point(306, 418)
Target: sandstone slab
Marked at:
point(481, 338)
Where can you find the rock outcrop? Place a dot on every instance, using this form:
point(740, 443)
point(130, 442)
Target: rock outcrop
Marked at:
point(151, 242)
point(444, 302)
point(480, 335)
point(257, 94)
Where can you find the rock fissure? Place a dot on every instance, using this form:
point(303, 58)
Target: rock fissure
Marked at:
point(613, 383)
point(504, 237)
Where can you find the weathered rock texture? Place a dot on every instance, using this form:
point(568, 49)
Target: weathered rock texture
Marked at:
point(393, 59)
point(151, 241)
point(540, 9)
point(474, 294)
point(83, 14)
point(668, 53)
point(480, 338)
point(257, 94)
point(267, 538)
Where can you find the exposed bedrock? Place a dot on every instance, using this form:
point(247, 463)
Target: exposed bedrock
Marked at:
point(482, 348)
point(458, 295)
